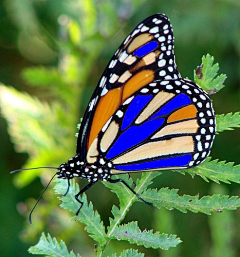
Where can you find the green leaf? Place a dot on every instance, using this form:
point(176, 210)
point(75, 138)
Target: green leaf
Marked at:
point(130, 232)
point(129, 253)
point(91, 218)
point(170, 199)
point(124, 194)
point(217, 171)
point(206, 75)
point(126, 197)
point(222, 235)
point(50, 247)
point(228, 121)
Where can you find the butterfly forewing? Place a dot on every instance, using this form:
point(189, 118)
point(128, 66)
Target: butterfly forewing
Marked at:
point(146, 55)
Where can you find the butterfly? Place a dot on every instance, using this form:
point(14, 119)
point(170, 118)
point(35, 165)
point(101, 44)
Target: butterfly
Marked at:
point(142, 115)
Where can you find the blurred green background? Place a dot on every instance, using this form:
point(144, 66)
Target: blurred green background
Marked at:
point(78, 39)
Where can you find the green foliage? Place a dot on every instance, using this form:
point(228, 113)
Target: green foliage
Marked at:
point(131, 232)
point(45, 130)
point(206, 75)
point(94, 226)
point(170, 199)
point(129, 253)
point(217, 171)
point(228, 121)
point(88, 216)
point(49, 246)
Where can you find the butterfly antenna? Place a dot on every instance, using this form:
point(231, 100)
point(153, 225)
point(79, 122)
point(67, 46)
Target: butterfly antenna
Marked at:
point(15, 171)
point(30, 214)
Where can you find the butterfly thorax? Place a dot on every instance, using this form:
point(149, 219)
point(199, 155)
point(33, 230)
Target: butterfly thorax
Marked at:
point(100, 170)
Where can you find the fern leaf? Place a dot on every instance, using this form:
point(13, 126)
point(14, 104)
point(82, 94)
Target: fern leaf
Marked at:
point(217, 171)
point(124, 194)
point(146, 180)
point(206, 75)
point(126, 197)
point(129, 253)
point(228, 121)
point(170, 199)
point(130, 232)
point(50, 247)
point(87, 215)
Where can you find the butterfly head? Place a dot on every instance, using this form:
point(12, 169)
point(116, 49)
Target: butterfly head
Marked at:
point(72, 168)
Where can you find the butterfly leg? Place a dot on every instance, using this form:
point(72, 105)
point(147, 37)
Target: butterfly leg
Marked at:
point(120, 180)
point(79, 193)
point(67, 188)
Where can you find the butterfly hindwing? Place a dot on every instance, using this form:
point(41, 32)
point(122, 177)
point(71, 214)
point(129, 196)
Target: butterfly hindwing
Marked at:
point(146, 55)
point(167, 124)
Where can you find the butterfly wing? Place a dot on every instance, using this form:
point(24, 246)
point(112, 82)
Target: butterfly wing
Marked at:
point(145, 55)
point(167, 124)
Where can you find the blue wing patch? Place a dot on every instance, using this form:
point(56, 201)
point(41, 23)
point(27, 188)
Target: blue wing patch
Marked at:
point(177, 102)
point(133, 136)
point(145, 49)
point(137, 104)
point(178, 161)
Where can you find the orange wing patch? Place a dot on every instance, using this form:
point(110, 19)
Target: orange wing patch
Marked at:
point(187, 112)
point(107, 105)
point(110, 102)
point(139, 80)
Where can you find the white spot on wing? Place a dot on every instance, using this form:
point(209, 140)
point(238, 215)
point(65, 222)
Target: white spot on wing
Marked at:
point(113, 78)
point(161, 39)
point(123, 56)
point(102, 82)
point(112, 63)
point(162, 63)
point(92, 103)
point(144, 28)
point(135, 32)
point(106, 125)
point(154, 30)
point(119, 114)
point(104, 91)
point(158, 21)
point(128, 101)
point(125, 41)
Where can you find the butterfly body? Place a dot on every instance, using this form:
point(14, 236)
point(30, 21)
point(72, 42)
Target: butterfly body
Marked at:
point(142, 116)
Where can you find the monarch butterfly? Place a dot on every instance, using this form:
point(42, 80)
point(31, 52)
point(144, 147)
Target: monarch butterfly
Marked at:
point(142, 115)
